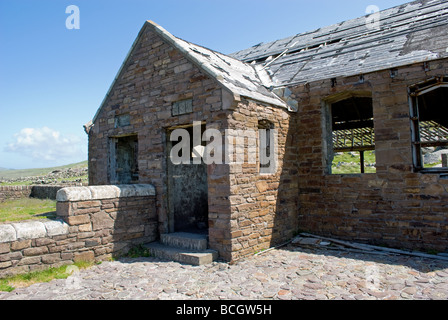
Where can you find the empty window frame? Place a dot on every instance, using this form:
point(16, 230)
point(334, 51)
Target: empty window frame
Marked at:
point(123, 163)
point(429, 125)
point(266, 147)
point(352, 136)
point(122, 120)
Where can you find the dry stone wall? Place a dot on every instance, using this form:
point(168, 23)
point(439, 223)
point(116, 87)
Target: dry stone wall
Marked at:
point(94, 223)
point(14, 192)
point(33, 191)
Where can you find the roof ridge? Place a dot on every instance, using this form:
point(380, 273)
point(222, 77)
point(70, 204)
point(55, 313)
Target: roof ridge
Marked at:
point(236, 76)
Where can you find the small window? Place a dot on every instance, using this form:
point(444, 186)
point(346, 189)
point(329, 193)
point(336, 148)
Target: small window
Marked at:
point(123, 160)
point(122, 120)
point(352, 136)
point(429, 125)
point(266, 143)
point(182, 107)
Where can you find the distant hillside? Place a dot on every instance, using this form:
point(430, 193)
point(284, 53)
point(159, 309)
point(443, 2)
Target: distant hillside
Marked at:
point(38, 172)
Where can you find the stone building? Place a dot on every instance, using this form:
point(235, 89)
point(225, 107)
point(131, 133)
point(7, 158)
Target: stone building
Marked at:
point(376, 86)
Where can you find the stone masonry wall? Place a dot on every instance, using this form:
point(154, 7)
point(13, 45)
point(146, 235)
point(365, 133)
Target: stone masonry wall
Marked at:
point(156, 76)
point(94, 223)
point(34, 191)
point(394, 206)
point(263, 206)
point(14, 192)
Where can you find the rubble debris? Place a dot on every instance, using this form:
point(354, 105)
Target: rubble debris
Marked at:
point(314, 241)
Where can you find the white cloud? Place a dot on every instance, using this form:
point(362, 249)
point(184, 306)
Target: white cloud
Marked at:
point(47, 144)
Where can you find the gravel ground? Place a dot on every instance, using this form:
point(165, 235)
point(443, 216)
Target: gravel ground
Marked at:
point(288, 273)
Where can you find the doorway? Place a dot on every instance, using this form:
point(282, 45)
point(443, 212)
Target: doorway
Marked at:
point(187, 184)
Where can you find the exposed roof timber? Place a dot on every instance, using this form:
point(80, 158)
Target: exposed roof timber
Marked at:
point(345, 31)
point(410, 33)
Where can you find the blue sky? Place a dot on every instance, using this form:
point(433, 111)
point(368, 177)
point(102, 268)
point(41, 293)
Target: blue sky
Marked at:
point(53, 79)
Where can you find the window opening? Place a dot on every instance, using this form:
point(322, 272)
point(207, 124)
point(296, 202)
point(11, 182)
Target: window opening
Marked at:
point(353, 136)
point(429, 125)
point(123, 160)
point(266, 146)
point(122, 120)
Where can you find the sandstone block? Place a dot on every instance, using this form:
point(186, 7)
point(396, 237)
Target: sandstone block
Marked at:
point(84, 256)
point(19, 245)
point(51, 258)
point(76, 220)
point(4, 248)
point(102, 220)
point(35, 251)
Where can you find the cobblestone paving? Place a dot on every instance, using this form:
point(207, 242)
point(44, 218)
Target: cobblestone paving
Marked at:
point(286, 273)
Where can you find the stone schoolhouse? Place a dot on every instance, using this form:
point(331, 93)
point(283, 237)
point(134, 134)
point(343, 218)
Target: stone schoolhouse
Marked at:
point(376, 86)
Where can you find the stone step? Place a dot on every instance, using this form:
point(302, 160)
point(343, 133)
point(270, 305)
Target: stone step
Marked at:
point(182, 255)
point(185, 240)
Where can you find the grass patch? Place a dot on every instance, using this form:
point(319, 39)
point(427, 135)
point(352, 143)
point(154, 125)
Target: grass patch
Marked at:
point(8, 284)
point(349, 163)
point(84, 179)
point(14, 174)
point(138, 251)
point(26, 209)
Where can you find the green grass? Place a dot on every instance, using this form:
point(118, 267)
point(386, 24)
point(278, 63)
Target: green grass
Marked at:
point(8, 284)
point(138, 251)
point(432, 165)
point(14, 174)
point(351, 163)
point(27, 208)
point(84, 179)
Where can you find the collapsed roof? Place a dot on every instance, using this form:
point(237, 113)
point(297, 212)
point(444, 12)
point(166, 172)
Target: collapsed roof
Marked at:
point(409, 33)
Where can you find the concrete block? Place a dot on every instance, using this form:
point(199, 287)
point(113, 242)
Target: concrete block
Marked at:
point(126, 190)
point(143, 190)
point(104, 192)
point(30, 230)
point(185, 240)
point(7, 233)
point(56, 227)
point(74, 194)
point(182, 255)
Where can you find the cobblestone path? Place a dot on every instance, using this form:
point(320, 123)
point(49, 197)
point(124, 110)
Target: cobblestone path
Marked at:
point(287, 273)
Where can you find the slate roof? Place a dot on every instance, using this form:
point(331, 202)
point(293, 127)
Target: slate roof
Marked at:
point(410, 33)
point(242, 79)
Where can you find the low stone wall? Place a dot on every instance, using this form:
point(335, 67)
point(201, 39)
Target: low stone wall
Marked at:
point(14, 192)
point(94, 223)
point(34, 191)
